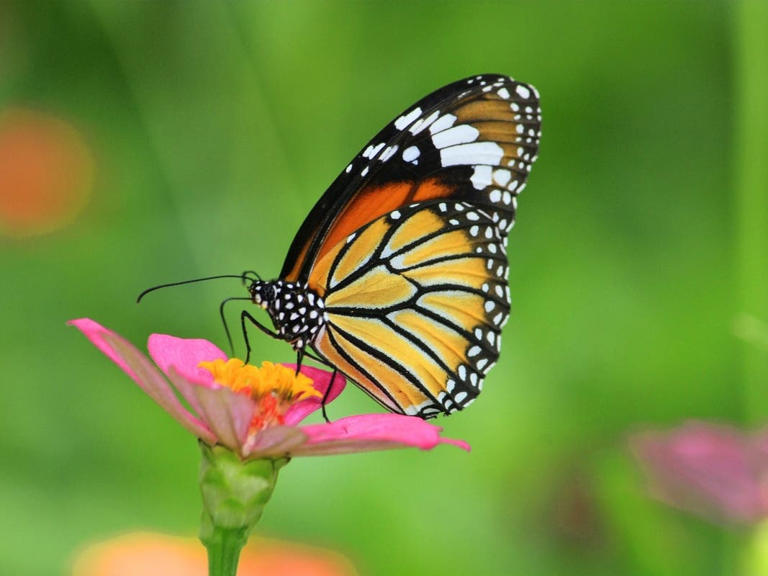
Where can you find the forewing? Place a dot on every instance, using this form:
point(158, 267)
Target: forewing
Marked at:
point(474, 141)
point(415, 302)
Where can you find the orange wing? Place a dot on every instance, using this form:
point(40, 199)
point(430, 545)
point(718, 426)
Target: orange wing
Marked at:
point(415, 303)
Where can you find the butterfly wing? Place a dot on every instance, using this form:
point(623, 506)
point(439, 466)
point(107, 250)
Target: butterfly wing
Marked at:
point(474, 141)
point(415, 302)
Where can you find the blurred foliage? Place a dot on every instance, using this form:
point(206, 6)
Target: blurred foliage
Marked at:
point(214, 126)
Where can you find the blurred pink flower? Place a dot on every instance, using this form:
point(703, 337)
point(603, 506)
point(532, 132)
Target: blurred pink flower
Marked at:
point(148, 554)
point(713, 470)
point(254, 425)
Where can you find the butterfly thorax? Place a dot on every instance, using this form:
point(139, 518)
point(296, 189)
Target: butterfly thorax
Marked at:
point(297, 312)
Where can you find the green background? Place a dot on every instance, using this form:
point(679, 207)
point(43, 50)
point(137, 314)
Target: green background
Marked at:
point(216, 125)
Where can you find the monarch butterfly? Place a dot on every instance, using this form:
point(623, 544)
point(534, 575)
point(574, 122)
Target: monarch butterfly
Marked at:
point(398, 275)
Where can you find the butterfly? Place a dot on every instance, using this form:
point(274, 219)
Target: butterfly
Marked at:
point(398, 275)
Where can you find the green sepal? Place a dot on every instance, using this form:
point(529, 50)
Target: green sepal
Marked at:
point(234, 494)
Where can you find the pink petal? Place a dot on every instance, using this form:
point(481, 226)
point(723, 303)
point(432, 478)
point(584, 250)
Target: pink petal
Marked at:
point(141, 370)
point(226, 413)
point(372, 432)
point(321, 379)
point(184, 354)
point(712, 470)
point(275, 442)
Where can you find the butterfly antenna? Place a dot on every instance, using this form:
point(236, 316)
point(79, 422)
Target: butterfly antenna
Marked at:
point(245, 277)
point(153, 288)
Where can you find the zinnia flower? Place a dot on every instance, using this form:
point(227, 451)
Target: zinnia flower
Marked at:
point(248, 422)
point(147, 554)
point(715, 471)
point(255, 412)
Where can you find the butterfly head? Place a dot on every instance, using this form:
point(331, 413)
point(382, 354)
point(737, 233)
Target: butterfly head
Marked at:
point(262, 293)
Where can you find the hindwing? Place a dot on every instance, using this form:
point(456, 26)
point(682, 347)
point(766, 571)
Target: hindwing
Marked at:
point(415, 302)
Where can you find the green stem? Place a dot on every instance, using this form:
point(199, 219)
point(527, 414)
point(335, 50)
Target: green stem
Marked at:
point(224, 551)
point(234, 495)
point(751, 149)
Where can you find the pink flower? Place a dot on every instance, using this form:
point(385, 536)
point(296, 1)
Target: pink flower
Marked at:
point(259, 419)
point(716, 471)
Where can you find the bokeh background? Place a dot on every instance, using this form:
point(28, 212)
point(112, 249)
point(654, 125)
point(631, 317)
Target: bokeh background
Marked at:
point(194, 137)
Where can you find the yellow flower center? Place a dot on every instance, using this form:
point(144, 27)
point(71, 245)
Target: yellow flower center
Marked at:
point(273, 387)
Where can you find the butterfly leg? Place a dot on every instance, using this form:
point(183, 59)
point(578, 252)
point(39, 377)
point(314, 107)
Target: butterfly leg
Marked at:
point(299, 359)
point(327, 393)
point(245, 315)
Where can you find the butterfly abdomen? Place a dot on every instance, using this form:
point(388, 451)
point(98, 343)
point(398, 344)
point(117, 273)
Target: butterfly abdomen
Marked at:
point(297, 311)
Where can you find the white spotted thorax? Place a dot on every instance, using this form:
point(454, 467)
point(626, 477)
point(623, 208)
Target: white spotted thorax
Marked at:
point(297, 312)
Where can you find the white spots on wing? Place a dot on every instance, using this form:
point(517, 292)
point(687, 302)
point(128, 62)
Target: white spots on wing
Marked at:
point(395, 215)
point(513, 185)
point(502, 176)
point(423, 123)
point(519, 128)
point(443, 123)
point(411, 154)
point(371, 151)
point(489, 306)
point(481, 177)
point(461, 396)
point(523, 91)
point(348, 168)
point(461, 134)
point(506, 198)
point(404, 121)
point(389, 151)
point(489, 153)
point(495, 195)
point(503, 93)
point(473, 216)
point(499, 290)
point(364, 171)
point(474, 231)
point(473, 351)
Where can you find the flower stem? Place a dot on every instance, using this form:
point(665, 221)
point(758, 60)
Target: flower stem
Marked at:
point(224, 551)
point(234, 495)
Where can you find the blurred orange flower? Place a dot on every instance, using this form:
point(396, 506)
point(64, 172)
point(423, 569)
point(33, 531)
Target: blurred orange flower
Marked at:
point(46, 172)
point(148, 554)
